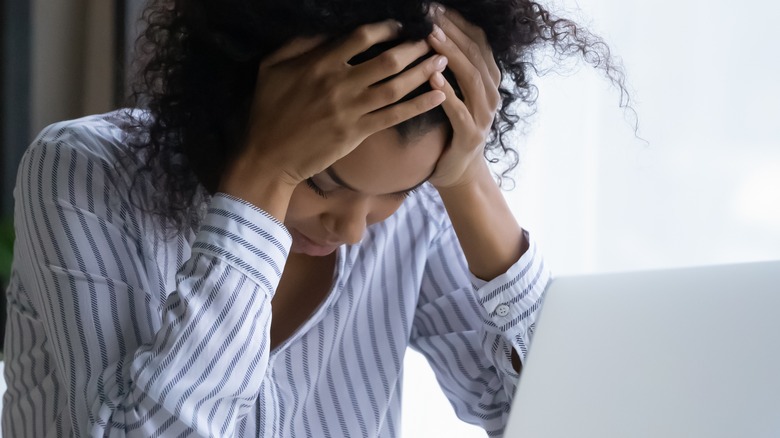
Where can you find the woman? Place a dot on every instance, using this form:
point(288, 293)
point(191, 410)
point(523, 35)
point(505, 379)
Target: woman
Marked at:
point(304, 196)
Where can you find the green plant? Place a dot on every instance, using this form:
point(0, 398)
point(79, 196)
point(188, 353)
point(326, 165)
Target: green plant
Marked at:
point(6, 251)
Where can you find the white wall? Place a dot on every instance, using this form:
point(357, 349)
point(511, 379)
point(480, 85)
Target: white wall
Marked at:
point(706, 190)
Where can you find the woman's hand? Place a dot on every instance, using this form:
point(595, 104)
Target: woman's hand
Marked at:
point(472, 62)
point(311, 107)
point(491, 239)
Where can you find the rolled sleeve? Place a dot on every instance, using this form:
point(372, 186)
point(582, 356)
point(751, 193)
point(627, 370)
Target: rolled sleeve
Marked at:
point(512, 301)
point(231, 231)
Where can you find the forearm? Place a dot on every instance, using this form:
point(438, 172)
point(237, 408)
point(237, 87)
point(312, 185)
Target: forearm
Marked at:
point(489, 235)
point(124, 354)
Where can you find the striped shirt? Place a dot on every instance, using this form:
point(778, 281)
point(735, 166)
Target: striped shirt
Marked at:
point(117, 330)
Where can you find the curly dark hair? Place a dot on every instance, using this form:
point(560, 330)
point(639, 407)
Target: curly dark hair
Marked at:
point(197, 65)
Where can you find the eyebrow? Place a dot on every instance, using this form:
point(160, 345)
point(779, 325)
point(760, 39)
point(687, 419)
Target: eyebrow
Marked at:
point(337, 179)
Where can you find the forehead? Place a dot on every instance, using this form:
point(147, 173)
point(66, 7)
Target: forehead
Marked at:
point(385, 163)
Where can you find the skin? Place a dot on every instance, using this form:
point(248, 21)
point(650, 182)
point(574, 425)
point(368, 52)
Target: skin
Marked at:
point(370, 184)
point(309, 83)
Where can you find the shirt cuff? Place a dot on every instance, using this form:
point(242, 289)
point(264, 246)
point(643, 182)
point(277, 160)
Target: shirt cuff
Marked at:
point(512, 301)
point(246, 237)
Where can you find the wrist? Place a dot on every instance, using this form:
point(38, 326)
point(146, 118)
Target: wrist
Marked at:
point(475, 177)
point(266, 189)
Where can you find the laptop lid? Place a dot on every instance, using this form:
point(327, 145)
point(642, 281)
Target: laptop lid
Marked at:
point(691, 352)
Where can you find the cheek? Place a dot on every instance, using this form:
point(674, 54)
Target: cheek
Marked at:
point(383, 209)
point(304, 204)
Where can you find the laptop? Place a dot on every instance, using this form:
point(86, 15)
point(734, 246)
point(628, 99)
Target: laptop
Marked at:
point(691, 352)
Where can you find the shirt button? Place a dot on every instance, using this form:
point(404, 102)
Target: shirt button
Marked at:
point(502, 310)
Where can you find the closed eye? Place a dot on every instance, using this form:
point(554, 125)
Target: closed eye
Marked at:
point(404, 195)
point(316, 188)
point(321, 193)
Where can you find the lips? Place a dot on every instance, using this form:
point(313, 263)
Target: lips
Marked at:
point(304, 244)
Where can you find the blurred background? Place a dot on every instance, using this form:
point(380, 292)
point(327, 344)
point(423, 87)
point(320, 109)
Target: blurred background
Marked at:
point(701, 186)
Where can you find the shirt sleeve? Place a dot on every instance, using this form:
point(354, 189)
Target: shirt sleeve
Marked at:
point(467, 328)
point(132, 363)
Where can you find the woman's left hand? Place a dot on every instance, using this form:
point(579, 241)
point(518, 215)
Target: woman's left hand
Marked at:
point(471, 60)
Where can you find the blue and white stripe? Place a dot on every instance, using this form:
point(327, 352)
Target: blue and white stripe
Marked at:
point(117, 330)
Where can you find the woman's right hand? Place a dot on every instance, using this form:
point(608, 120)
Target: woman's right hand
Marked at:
point(311, 107)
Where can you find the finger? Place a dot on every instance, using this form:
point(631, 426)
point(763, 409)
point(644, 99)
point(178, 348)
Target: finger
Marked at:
point(456, 110)
point(469, 77)
point(471, 50)
point(400, 112)
point(389, 63)
point(382, 95)
point(451, 20)
point(362, 38)
point(293, 49)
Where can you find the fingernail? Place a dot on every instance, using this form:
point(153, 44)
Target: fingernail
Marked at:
point(438, 80)
point(438, 98)
point(438, 33)
point(439, 9)
point(441, 62)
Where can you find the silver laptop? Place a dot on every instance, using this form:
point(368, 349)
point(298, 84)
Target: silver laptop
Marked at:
point(688, 353)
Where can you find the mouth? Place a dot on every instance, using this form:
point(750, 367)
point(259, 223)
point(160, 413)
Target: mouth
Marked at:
point(306, 245)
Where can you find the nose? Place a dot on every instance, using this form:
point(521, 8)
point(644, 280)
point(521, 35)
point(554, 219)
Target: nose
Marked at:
point(347, 223)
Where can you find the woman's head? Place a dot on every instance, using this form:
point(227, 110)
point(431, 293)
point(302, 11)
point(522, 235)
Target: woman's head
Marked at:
point(201, 59)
